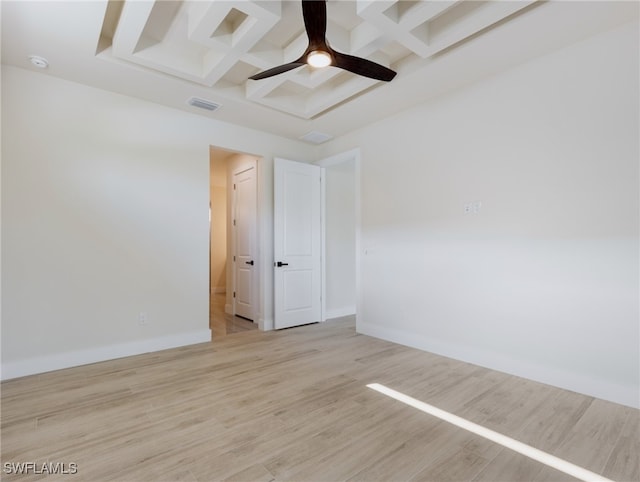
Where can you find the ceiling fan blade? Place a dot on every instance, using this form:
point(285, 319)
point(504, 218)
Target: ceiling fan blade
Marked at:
point(314, 13)
point(363, 67)
point(277, 70)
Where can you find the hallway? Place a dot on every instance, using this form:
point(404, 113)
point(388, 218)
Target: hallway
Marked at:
point(223, 324)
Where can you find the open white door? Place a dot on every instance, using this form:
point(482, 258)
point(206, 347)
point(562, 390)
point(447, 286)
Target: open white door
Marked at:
point(297, 243)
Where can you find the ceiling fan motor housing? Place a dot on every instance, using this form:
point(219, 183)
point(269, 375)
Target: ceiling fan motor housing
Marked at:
point(318, 53)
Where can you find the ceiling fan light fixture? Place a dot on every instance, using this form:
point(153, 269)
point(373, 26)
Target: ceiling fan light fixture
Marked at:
point(318, 54)
point(319, 59)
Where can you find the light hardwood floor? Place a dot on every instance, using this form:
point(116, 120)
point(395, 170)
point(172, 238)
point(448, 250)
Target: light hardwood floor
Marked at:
point(222, 324)
point(293, 405)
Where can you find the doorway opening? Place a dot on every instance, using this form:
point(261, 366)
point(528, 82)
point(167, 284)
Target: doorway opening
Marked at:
point(233, 234)
point(341, 237)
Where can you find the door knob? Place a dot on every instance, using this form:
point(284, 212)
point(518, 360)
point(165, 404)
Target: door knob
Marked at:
point(249, 262)
point(280, 264)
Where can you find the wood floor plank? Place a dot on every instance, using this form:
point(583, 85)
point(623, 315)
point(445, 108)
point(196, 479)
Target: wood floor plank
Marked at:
point(507, 466)
point(520, 400)
point(458, 465)
point(293, 405)
point(374, 443)
point(255, 473)
point(336, 436)
point(554, 419)
point(592, 439)
point(624, 462)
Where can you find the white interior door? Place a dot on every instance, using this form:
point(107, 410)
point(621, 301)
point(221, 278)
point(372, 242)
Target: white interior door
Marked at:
point(297, 243)
point(244, 227)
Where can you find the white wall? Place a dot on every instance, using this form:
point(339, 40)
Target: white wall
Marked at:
point(105, 215)
point(218, 222)
point(340, 235)
point(543, 281)
point(218, 239)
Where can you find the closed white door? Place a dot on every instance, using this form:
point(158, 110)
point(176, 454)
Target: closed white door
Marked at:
point(297, 243)
point(244, 238)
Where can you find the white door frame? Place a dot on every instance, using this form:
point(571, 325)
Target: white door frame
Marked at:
point(264, 235)
point(350, 155)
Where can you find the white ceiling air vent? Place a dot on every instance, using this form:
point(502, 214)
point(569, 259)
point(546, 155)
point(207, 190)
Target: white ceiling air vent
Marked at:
point(203, 104)
point(315, 137)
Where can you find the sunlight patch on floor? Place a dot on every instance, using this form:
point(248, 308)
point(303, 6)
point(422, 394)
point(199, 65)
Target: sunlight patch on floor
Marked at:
point(508, 442)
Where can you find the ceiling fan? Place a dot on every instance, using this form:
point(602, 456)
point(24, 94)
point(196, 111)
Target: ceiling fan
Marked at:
point(319, 54)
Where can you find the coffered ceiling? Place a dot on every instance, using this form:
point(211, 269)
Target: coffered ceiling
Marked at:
point(170, 51)
point(220, 44)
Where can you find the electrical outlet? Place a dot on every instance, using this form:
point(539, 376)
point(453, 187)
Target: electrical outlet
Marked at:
point(143, 318)
point(472, 207)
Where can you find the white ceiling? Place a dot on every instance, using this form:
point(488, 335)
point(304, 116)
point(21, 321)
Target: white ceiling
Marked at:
point(170, 51)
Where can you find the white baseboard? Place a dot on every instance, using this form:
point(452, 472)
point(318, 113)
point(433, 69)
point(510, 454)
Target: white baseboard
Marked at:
point(59, 361)
point(595, 387)
point(265, 324)
point(337, 313)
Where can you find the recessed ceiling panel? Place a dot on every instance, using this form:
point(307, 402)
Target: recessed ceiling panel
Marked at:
point(221, 43)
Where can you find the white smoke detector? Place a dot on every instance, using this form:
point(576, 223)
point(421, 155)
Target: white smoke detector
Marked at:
point(38, 61)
